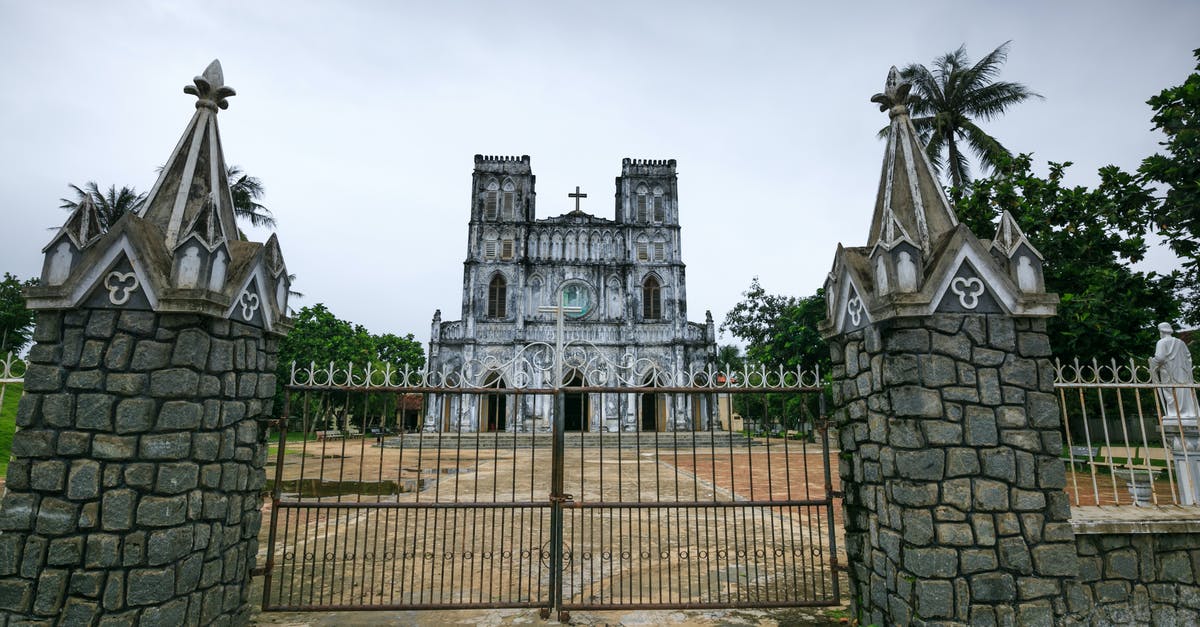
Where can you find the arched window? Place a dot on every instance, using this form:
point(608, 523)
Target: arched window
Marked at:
point(660, 211)
point(651, 299)
point(497, 296)
point(508, 200)
point(641, 202)
point(491, 201)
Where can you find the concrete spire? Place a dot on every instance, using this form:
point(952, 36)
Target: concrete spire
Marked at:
point(910, 196)
point(194, 175)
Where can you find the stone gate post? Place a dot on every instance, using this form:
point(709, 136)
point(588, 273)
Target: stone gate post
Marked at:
point(955, 510)
point(133, 495)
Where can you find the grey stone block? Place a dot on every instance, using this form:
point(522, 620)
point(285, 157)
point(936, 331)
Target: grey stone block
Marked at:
point(961, 462)
point(1033, 345)
point(150, 355)
point(103, 550)
point(43, 378)
point(65, 551)
point(117, 509)
point(84, 483)
point(29, 443)
point(908, 340)
point(177, 477)
point(993, 586)
point(150, 586)
point(174, 383)
point(140, 323)
point(135, 415)
point(94, 411)
point(913, 401)
point(955, 534)
point(168, 545)
point(80, 612)
point(73, 443)
point(931, 561)
point(166, 445)
point(913, 494)
point(56, 517)
point(941, 433)
point(918, 526)
point(977, 560)
point(928, 464)
point(88, 583)
point(120, 351)
point(92, 354)
point(935, 599)
point(58, 410)
point(161, 511)
point(85, 380)
point(981, 426)
point(101, 323)
point(1056, 560)
point(191, 349)
point(48, 476)
point(1175, 566)
point(990, 496)
point(107, 446)
point(180, 415)
point(126, 384)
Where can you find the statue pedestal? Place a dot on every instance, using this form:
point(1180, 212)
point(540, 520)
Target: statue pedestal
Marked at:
point(1183, 439)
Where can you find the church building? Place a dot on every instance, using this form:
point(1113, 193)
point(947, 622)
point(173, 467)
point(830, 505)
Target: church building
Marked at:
point(621, 286)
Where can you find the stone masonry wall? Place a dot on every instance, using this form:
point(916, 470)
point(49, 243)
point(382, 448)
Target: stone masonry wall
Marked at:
point(134, 492)
point(1137, 579)
point(955, 509)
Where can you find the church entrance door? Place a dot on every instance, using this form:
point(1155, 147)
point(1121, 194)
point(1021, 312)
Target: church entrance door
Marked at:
point(495, 407)
point(650, 409)
point(575, 406)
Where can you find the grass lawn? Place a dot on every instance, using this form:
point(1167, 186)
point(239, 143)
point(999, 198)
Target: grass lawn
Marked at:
point(8, 422)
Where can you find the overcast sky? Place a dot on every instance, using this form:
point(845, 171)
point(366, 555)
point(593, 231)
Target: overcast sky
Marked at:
point(362, 118)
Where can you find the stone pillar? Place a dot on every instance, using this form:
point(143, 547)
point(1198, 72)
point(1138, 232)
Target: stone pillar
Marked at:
point(949, 425)
point(134, 492)
point(951, 471)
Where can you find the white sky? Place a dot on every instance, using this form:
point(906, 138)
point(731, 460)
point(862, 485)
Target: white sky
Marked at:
point(362, 118)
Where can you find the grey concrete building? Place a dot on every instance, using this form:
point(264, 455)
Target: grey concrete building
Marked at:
point(624, 280)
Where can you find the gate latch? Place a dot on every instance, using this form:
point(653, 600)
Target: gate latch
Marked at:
point(561, 498)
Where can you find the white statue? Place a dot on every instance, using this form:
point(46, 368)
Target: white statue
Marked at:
point(1172, 363)
point(216, 279)
point(1026, 276)
point(906, 272)
point(60, 264)
point(189, 268)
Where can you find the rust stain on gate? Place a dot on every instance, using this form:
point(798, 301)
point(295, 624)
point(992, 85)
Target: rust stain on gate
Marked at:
point(366, 518)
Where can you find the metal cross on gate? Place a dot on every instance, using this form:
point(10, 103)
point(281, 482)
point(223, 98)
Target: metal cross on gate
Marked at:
point(577, 195)
point(558, 311)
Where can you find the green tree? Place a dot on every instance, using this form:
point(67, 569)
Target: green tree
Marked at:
point(246, 191)
point(16, 322)
point(1177, 115)
point(946, 100)
point(729, 356)
point(321, 337)
point(110, 205)
point(779, 330)
point(399, 351)
point(1089, 238)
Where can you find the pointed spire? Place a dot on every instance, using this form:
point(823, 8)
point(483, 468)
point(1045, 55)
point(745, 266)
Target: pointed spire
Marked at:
point(195, 173)
point(83, 226)
point(1009, 236)
point(910, 196)
point(206, 225)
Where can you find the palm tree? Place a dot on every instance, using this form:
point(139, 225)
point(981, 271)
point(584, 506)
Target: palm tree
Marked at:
point(246, 190)
point(110, 205)
point(946, 99)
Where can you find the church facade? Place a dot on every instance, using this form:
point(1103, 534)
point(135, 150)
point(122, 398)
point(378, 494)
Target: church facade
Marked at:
point(621, 284)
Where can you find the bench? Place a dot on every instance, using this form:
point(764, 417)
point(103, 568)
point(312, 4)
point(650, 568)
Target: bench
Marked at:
point(333, 434)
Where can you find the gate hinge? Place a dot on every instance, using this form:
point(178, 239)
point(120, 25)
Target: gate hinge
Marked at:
point(837, 566)
point(258, 571)
point(837, 494)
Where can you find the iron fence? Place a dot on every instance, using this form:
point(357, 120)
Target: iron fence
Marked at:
point(1128, 439)
point(12, 373)
point(445, 494)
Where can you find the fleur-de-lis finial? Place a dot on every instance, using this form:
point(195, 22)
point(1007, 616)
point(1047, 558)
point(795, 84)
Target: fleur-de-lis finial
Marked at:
point(210, 88)
point(895, 94)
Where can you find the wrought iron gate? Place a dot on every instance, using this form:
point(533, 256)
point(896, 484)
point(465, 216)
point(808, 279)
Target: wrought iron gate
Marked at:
point(387, 495)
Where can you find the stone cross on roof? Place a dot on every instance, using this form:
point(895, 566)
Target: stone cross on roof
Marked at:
point(577, 195)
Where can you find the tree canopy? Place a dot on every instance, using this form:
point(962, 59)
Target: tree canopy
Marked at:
point(1177, 115)
point(948, 98)
point(110, 205)
point(321, 337)
point(16, 322)
point(1089, 238)
point(779, 330)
